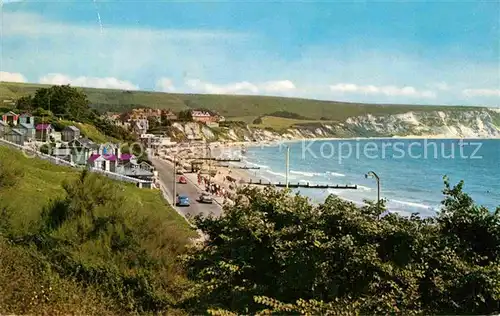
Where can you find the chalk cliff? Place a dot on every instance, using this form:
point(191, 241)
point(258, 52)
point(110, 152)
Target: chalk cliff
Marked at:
point(482, 123)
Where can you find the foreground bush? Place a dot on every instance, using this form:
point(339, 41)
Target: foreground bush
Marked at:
point(27, 287)
point(280, 254)
point(94, 251)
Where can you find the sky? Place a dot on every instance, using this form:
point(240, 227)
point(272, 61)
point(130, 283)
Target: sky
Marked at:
point(425, 52)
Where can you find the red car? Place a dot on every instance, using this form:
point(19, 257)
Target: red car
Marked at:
point(182, 180)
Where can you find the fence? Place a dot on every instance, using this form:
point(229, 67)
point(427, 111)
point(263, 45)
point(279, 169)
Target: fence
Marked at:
point(58, 161)
point(117, 176)
point(34, 153)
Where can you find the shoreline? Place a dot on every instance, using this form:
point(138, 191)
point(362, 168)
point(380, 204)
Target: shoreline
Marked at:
point(269, 143)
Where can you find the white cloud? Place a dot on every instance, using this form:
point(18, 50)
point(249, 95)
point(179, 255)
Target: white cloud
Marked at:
point(231, 88)
point(243, 87)
point(278, 86)
point(12, 77)
point(481, 92)
point(391, 91)
point(91, 82)
point(165, 85)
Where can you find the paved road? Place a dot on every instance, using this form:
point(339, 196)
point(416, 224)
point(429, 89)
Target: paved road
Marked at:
point(190, 189)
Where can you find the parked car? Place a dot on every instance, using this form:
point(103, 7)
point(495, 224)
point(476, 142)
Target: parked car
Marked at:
point(182, 180)
point(182, 200)
point(180, 171)
point(205, 198)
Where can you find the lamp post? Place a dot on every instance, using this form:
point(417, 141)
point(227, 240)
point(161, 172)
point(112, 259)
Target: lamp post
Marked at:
point(209, 150)
point(374, 175)
point(174, 198)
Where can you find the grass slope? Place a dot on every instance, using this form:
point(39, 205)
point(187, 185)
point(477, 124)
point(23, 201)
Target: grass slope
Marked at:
point(496, 118)
point(248, 107)
point(280, 124)
point(39, 181)
point(90, 131)
point(120, 259)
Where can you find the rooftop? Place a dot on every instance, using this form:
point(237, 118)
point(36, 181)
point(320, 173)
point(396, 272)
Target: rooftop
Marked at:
point(10, 113)
point(84, 142)
point(110, 157)
point(26, 126)
point(41, 127)
point(15, 131)
point(73, 128)
point(94, 157)
point(125, 157)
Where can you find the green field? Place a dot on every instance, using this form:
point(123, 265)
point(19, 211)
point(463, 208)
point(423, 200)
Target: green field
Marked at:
point(280, 124)
point(241, 107)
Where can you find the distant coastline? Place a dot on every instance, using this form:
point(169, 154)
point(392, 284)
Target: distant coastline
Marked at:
point(416, 137)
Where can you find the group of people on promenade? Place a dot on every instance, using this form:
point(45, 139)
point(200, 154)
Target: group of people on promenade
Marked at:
point(211, 187)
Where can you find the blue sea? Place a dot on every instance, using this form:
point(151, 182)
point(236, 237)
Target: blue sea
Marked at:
point(410, 170)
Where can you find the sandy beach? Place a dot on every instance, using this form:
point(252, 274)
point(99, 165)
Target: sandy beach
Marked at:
point(228, 176)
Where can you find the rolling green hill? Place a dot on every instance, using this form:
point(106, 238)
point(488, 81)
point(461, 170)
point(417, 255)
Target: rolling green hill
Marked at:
point(230, 106)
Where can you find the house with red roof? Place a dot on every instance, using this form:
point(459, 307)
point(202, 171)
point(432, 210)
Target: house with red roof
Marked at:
point(10, 118)
point(43, 131)
point(105, 162)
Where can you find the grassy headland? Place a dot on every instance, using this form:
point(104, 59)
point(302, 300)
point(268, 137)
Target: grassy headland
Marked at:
point(237, 106)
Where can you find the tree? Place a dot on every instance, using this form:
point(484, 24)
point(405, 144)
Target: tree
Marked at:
point(258, 120)
point(63, 101)
point(153, 122)
point(46, 149)
point(25, 103)
point(164, 121)
point(338, 258)
point(185, 116)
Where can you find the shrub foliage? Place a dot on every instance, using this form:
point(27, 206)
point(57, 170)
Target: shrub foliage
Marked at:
point(280, 254)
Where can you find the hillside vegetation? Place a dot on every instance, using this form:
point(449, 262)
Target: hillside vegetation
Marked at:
point(249, 107)
point(276, 254)
point(73, 242)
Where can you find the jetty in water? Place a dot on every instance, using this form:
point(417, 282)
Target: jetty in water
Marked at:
point(306, 185)
point(233, 167)
point(219, 159)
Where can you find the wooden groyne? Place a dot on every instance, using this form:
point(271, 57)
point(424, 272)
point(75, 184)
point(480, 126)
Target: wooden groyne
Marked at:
point(218, 159)
point(233, 167)
point(307, 185)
